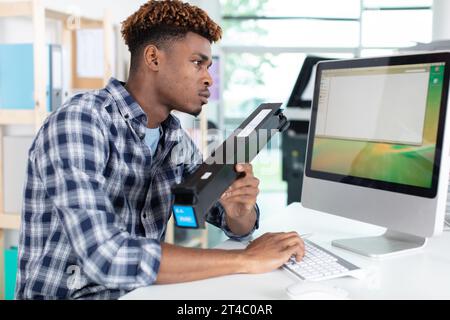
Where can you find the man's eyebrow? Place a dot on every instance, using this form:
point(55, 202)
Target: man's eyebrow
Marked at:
point(204, 57)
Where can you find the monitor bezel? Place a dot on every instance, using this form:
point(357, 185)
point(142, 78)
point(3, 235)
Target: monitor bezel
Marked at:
point(434, 57)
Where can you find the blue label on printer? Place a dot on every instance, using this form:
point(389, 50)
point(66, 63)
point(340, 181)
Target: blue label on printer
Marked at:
point(185, 216)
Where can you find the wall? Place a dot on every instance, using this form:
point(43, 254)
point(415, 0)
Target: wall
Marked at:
point(441, 21)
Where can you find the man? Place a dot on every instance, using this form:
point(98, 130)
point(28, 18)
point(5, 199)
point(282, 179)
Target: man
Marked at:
point(97, 195)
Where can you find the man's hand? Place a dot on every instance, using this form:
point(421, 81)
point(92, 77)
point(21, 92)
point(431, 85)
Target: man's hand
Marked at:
point(239, 200)
point(267, 253)
point(272, 250)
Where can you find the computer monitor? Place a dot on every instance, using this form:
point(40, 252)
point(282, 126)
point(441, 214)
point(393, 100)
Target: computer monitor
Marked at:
point(378, 148)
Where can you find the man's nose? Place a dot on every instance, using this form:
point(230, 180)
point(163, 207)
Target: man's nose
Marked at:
point(208, 79)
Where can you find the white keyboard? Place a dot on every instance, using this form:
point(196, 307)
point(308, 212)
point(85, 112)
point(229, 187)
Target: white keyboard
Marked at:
point(320, 264)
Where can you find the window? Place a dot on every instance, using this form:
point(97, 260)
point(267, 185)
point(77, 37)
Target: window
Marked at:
point(292, 32)
point(396, 28)
point(398, 3)
point(253, 78)
point(286, 8)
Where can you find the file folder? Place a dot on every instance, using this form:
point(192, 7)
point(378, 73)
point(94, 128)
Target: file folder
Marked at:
point(17, 77)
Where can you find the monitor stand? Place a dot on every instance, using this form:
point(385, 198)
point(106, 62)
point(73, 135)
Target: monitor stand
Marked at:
point(388, 244)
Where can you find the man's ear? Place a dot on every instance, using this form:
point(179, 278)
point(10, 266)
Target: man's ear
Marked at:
point(151, 57)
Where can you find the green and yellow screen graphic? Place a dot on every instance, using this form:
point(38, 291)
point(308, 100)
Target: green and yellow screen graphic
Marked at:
point(403, 163)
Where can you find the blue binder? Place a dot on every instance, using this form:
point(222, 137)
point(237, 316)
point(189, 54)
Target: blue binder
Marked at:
point(17, 77)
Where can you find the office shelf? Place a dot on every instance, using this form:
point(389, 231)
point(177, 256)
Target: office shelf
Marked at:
point(10, 221)
point(35, 10)
point(11, 117)
point(16, 9)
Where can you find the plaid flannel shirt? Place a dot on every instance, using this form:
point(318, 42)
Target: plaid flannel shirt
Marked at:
point(96, 203)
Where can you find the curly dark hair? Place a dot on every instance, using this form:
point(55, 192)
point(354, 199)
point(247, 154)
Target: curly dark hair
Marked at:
point(160, 22)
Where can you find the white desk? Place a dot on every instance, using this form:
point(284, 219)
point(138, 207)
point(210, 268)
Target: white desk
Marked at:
point(424, 274)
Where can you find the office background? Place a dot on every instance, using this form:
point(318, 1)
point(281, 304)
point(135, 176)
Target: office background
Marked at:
point(259, 59)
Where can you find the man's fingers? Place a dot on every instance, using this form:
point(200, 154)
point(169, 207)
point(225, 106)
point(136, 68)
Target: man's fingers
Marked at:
point(244, 167)
point(286, 243)
point(240, 199)
point(297, 243)
point(280, 236)
point(248, 201)
point(291, 241)
point(271, 234)
point(294, 251)
point(244, 191)
point(285, 235)
point(245, 182)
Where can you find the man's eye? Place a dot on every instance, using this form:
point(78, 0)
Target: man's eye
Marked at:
point(198, 62)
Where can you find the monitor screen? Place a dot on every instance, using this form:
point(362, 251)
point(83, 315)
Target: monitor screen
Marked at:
point(378, 123)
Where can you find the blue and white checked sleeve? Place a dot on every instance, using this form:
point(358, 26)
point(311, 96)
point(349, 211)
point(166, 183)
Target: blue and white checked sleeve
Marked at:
point(216, 215)
point(71, 162)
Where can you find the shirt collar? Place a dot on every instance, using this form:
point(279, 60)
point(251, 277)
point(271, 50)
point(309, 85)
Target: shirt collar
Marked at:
point(128, 107)
point(131, 110)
